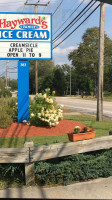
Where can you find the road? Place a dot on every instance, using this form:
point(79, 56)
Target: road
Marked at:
point(85, 106)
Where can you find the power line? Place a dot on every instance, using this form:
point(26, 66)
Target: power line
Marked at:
point(2, 74)
point(69, 17)
point(76, 21)
point(12, 72)
point(12, 67)
point(73, 20)
point(45, 6)
point(48, 8)
point(57, 7)
point(77, 26)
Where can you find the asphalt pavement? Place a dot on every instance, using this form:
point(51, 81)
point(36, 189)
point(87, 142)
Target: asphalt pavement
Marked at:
point(94, 189)
point(85, 106)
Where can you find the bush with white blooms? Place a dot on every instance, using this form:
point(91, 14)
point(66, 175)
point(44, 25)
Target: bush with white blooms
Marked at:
point(44, 110)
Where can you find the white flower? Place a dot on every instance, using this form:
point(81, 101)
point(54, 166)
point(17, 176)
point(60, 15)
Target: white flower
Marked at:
point(61, 106)
point(42, 113)
point(53, 124)
point(39, 114)
point(50, 124)
point(24, 121)
point(45, 95)
point(49, 100)
point(32, 114)
point(47, 111)
point(77, 126)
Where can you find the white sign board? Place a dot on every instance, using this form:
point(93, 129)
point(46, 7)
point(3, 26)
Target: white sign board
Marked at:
point(25, 36)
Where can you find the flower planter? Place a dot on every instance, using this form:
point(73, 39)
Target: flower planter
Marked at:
point(81, 136)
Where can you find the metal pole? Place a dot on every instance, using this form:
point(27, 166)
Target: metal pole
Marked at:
point(101, 64)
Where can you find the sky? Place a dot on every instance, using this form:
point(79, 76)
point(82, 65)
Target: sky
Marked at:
point(60, 54)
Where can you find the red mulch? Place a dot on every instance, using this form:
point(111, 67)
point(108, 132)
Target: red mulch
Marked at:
point(21, 130)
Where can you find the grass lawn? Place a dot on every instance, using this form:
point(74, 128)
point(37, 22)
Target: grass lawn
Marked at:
point(102, 129)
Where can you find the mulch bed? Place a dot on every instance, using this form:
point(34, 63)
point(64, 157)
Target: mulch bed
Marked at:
point(21, 130)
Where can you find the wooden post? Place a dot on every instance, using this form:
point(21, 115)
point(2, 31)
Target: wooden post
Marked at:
point(36, 64)
point(70, 81)
point(101, 64)
point(29, 167)
point(7, 74)
point(36, 76)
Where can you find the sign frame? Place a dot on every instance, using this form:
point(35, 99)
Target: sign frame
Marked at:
point(23, 90)
point(51, 55)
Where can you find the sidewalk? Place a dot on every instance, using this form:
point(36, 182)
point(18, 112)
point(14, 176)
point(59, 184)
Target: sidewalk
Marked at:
point(97, 189)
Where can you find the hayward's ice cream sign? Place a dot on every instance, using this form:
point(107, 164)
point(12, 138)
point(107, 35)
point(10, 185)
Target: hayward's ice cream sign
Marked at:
point(25, 36)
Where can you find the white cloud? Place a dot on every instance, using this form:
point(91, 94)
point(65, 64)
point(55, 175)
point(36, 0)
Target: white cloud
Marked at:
point(64, 51)
point(8, 5)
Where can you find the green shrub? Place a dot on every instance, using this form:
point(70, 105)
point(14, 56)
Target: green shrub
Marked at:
point(77, 129)
point(5, 118)
point(8, 111)
point(65, 170)
point(11, 173)
point(79, 167)
point(5, 93)
point(107, 94)
point(85, 129)
point(44, 111)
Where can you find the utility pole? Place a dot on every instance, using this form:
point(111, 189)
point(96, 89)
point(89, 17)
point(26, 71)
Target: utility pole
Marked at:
point(36, 66)
point(70, 81)
point(36, 63)
point(7, 73)
point(101, 64)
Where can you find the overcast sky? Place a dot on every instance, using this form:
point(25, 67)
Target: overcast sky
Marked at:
point(60, 54)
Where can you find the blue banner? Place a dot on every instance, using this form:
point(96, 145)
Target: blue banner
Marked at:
point(23, 91)
point(24, 34)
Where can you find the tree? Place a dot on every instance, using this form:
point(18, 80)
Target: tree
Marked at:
point(108, 78)
point(85, 59)
point(45, 68)
point(2, 84)
point(13, 84)
point(59, 81)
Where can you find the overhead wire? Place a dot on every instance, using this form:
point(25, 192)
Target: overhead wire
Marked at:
point(47, 6)
point(77, 26)
point(12, 72)
point(70, 24)
point(57, 7)
point(69, 17)
point(2, 74)
point(48, 9)
point(12, 68)
point(76, 21)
